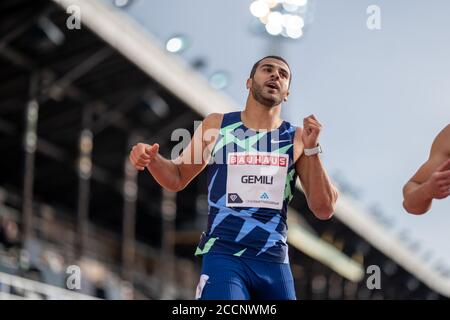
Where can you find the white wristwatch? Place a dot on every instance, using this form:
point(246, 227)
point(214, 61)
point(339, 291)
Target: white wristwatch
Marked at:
point(313, 151)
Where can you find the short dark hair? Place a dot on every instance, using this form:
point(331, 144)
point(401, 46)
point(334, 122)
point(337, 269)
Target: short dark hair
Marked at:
point(255, 66)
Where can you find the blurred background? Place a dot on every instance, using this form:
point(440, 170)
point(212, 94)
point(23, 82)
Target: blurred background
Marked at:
point(82, 81)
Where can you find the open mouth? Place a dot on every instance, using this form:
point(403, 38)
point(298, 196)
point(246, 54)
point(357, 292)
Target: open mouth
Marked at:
point(272, 85)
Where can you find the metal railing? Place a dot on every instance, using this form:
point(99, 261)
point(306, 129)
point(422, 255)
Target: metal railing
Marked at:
point(18, 288)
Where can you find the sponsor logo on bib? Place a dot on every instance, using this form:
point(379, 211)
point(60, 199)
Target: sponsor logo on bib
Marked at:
point(234, 198)
point(256, 179)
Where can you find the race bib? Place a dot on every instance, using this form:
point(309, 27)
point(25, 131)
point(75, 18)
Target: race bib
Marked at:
point(256, 179)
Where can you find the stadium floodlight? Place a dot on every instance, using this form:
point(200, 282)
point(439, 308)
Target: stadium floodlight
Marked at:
point(259, 8)
point(281, 17)
point(219, 80)
point(122, 3)
point(176, 44)
point(294, 33)
point(274, 24)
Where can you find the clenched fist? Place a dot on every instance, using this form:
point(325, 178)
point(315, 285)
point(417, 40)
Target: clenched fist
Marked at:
point(439, 182)
point(311, 132)
point(142, 154)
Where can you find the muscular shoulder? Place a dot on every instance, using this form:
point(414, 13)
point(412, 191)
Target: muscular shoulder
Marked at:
point(213, 121)
point(441, 145)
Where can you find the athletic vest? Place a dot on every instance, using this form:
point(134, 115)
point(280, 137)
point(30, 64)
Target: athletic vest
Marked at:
point(251, 179)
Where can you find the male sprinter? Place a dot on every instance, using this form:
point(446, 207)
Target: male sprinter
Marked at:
point(432, 180)
point(256, 159)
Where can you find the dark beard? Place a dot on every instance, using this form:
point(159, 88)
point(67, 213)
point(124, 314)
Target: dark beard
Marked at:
point(257, 92)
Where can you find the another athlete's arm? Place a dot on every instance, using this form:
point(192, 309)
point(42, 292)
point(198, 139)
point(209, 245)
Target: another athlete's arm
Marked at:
point(319, 191)
point(175, 175)
point(432, 180)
